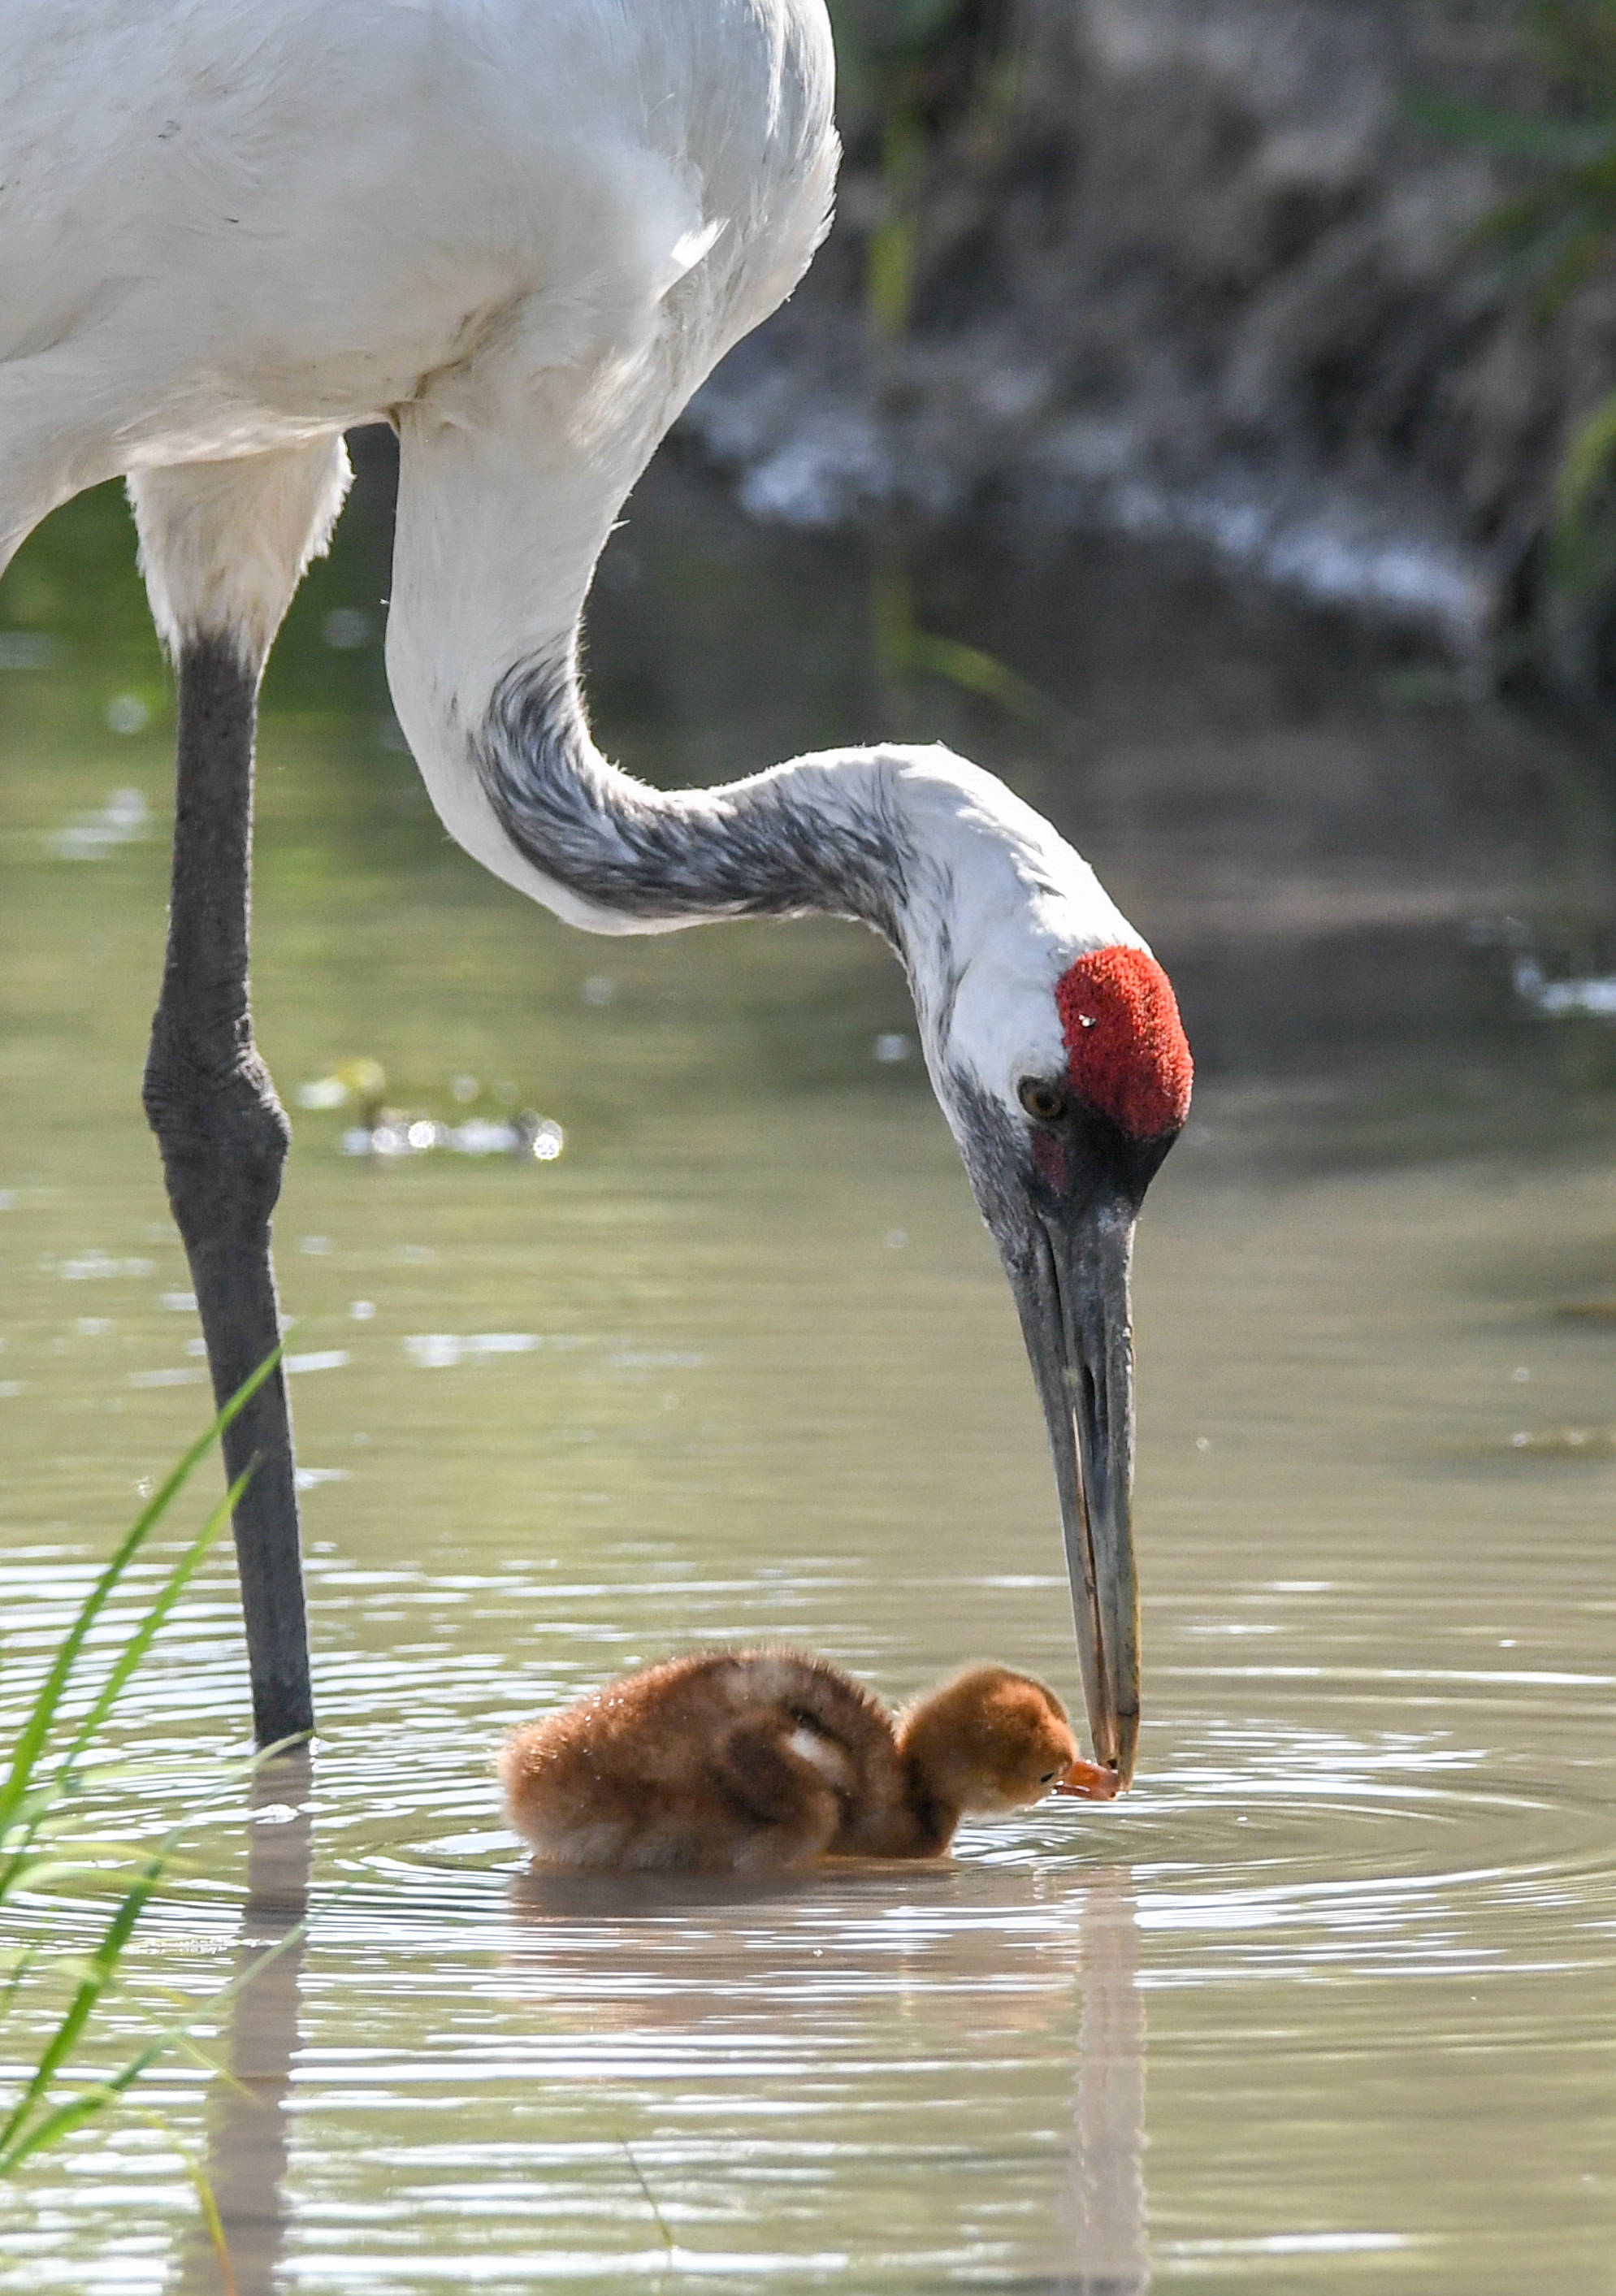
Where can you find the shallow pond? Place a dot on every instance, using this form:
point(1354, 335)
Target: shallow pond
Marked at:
point(1331, 1995)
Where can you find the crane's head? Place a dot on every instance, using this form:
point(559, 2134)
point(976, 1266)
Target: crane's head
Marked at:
point(1056, 1050)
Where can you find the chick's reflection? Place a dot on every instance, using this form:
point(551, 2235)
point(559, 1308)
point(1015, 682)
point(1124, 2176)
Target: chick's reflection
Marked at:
point(873, 2047)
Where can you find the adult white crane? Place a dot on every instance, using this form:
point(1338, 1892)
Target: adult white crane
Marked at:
point(523, 231)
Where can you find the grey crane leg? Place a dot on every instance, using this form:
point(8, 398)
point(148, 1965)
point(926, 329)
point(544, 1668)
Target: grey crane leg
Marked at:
point(224, 1137)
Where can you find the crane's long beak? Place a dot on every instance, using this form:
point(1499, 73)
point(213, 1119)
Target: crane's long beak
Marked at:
point(1071, 1289)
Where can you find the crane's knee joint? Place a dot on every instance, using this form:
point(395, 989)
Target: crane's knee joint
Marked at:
point(222, 1130)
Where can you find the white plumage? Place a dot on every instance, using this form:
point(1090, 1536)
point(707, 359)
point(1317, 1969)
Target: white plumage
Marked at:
point(521, 232)
point(239, 225)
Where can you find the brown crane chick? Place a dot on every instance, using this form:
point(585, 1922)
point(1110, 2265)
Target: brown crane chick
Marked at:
point(757, 1762)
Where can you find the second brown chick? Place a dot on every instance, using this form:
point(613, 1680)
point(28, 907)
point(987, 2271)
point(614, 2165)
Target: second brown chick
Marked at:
point(756, 1762)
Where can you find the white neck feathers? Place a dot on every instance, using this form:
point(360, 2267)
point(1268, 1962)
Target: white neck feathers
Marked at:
point(498, 534)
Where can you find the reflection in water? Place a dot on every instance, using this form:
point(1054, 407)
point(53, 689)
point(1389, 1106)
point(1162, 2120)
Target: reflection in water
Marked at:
point(715, 1968)
point(1105, 2195)
point(250, 2139)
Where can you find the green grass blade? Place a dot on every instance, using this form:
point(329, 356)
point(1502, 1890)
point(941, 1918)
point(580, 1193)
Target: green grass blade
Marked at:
point(105, 1962)
point(36, 1729)
point(179, 1578)
point(24, 1861)
point(19, 2138)
point(976, 672)
point(207, 2201)
point(890, 257)
point(50, 2127)
point(24, 1965)
point(660, 2221)
point(22, 1858)
point(1587, 459)
point(902, 647)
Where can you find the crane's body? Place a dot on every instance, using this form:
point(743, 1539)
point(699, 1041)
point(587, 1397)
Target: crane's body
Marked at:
point(233, 229)
point(233, 226)
point(523, 231)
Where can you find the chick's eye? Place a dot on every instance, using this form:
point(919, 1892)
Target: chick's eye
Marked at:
point(1046, 1101)
point(1048, 1778)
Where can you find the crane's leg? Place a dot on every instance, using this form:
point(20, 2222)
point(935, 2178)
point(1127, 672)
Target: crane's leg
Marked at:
point(222, 548)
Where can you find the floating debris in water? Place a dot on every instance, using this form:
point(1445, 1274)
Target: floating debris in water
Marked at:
point(309, 1479)
point(892, 1048)
point(1566, 1442)
point(363, 1081)
point(97, 1266)
point(172, 1375)
point(1593, 998)
point(442, 1350)
point(361, 1311)
point(413, 1138)
point(317, 1359)
point(324, 1092)
point(179, 1303)
point(124, 819)
point(599, 989)
point(389, 1133)
point(1590, 996)
point(127, 713)
point(524, 1135)
point(8, 1199)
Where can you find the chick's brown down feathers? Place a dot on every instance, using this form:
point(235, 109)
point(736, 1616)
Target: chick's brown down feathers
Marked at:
point(751, 1762)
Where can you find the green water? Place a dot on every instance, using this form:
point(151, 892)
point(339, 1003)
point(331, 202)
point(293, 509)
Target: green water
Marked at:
point(1331, 1995)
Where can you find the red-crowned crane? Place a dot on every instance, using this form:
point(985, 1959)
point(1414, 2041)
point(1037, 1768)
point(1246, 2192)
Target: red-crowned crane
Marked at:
point(521, 232)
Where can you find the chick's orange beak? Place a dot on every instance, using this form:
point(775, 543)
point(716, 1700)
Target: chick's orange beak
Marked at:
point(1089, 1782)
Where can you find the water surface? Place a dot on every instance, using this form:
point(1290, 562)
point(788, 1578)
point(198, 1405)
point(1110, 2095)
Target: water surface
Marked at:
point(1330, 1995)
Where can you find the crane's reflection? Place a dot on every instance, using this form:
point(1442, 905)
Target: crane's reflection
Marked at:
point(1105, 2195)
point(624, 1957)
point(935, 1948)
point(249, 2135)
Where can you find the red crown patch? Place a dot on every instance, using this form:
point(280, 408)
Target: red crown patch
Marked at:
point(1127, 1053)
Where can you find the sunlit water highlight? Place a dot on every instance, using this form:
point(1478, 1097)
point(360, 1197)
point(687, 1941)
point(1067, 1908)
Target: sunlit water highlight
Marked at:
point(1329, 1995)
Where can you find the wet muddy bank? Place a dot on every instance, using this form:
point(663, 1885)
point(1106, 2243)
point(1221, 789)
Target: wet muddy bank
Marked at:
point(1193, 269)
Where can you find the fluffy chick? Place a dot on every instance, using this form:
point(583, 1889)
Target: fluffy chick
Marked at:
point(759, 1762)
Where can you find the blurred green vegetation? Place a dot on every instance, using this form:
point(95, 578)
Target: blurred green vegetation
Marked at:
point(911, 74)
point(914, 76)
point(1552, 238)
point(1554, 235)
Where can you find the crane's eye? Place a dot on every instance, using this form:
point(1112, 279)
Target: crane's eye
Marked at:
point(1049, 1103)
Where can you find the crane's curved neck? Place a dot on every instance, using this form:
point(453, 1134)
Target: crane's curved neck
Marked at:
point(821, 834)
point(501, 519)
point(502, 515)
